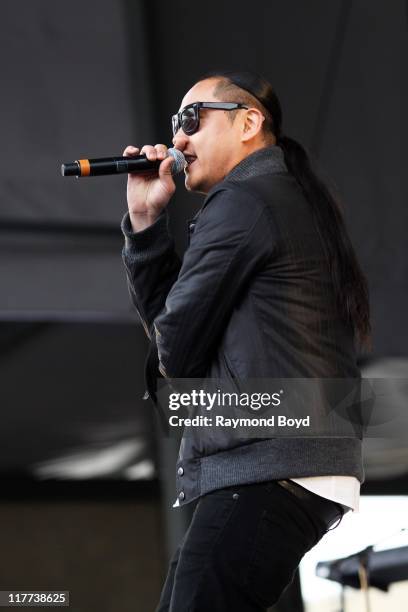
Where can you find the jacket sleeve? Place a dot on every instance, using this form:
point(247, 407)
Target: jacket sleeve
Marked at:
point(233, 239)
point(152, 266)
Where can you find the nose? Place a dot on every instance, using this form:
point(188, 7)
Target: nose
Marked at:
point(180, 140)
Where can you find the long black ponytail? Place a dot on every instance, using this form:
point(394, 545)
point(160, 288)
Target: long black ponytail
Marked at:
point(349, 282)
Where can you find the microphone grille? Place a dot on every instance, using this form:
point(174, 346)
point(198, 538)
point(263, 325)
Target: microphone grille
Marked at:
point(179, 160)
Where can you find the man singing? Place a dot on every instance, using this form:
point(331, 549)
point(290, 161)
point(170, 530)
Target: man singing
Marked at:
point(269, 287)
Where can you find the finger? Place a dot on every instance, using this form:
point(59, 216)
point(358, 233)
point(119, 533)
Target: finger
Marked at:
point(161, 151)
point(165, 174)
point(130, 150)
point(149, 151)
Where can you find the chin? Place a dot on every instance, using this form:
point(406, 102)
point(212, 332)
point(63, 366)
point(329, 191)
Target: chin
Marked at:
point(194, 185)
point(197, 183)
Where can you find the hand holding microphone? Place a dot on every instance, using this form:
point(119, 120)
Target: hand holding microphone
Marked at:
point(148, 194)
point(150, 178)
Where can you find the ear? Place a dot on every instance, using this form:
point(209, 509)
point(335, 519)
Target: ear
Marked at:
point(252, 124)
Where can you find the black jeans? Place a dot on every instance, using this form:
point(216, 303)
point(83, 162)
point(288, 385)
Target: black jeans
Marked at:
point(243, 546)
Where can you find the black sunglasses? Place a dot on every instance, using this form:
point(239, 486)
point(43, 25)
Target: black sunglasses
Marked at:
point(188, 119)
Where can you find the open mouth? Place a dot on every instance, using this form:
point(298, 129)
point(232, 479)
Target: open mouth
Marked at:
point(190, 159)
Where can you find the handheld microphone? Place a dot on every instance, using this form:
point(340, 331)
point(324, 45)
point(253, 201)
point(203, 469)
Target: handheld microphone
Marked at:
point(120, 165)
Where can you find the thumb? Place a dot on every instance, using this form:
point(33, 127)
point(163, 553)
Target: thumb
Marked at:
point(165, 173)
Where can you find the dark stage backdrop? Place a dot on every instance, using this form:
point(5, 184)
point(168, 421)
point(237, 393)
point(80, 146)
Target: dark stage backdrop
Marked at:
point(339, 69)
point(88, 79)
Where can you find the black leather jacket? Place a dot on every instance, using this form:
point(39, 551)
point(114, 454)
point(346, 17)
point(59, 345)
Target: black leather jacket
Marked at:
point(252, 298)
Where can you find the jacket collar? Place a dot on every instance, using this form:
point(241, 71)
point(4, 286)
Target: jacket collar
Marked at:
point(263, 161)
point(268, 160)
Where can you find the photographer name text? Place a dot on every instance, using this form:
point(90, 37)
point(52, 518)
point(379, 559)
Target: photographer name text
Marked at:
point(221, 421)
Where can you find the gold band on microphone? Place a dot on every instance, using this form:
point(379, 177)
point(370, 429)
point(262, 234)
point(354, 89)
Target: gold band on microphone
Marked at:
point(84, 167)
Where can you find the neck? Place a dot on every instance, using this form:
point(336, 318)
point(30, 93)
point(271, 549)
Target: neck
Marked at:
point(251, 147)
